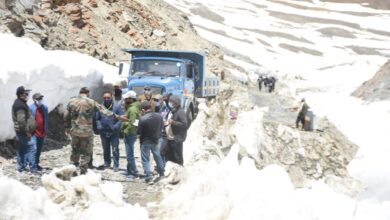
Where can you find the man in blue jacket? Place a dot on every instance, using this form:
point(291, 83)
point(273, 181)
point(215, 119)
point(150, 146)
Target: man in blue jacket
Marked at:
point(40, 113)
point(109, 128)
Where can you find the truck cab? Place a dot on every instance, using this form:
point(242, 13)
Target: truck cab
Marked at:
point(177, 72)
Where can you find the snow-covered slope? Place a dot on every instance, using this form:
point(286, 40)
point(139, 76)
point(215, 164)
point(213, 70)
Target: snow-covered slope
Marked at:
point(333, 48)
point(58, 75)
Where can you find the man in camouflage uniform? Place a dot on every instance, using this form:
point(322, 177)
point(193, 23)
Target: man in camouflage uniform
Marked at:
point(78, 123)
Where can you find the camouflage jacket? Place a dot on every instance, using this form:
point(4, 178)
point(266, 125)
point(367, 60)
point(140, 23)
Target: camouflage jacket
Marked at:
point(79, 115)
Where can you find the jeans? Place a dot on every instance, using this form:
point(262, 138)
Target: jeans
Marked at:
point(129, 144)
point(162, 146)
point(38, 143)
point(25, 153)
point(145, 158)
point(109, 141)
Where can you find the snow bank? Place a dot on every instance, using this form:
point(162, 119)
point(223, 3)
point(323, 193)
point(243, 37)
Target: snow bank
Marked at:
point(233, 190)
point(18, 201)
point(58, 75)
point(63, 197)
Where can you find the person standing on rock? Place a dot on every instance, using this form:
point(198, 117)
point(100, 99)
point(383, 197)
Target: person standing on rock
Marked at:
point(149, 129)
point(129, 131)
point(176, 129)
point(41, 114)
point(24, 125)
point(109, 129)
point(301, 114)
point(78, 123)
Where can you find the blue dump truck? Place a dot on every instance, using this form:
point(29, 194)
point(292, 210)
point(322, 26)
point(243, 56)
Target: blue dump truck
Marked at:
point(181, 73)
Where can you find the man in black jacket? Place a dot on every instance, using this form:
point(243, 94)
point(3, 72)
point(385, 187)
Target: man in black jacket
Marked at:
point(176, 129)
point(24, 125)
point(149, 129)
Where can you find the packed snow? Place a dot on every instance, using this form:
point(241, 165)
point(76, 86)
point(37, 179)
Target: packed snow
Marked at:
point(63, 197)
point(334, 48)
point(230, 189)
point(58, 75)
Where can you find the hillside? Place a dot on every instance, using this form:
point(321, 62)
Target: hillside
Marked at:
point(377, 88)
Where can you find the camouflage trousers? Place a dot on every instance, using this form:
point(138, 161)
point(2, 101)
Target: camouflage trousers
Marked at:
point(82, 150)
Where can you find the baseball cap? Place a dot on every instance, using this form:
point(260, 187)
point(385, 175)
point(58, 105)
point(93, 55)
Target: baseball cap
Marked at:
point(130, 94)
point(21, 90)
point(37, 96)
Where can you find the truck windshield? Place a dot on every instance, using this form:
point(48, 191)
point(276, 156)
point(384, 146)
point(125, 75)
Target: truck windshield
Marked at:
point(155, 68)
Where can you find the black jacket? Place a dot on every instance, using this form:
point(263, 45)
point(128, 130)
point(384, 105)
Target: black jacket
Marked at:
point(179, 125)
point(22, 117)
point(149, 128)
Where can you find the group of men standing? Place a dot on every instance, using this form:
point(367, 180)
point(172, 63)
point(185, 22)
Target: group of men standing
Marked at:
point(30, 124)
point(267, 81)
point(156, 120)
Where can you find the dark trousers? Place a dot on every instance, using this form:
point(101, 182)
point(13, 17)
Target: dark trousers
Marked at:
point(175, 152)
point(300, 118)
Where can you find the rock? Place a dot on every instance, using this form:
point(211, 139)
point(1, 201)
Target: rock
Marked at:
point(124, 27)
point(37, 19)
point(73, 30)
point(2, 4)
point(28, 6)
point(72, 9)
point(92, 3)
point(159, 33)
point(46, 4)
point(86, 15)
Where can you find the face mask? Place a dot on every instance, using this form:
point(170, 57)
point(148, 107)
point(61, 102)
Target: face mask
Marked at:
point(39, 102)
point(170, 105)
point(107, 103)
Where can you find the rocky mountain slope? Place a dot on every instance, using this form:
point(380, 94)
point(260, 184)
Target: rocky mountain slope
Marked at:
point(377, 88)
point(102, 28)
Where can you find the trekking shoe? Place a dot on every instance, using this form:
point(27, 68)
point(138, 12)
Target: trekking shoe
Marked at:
point(130, 178)
point(116, 169)
point(149, 179)
point(159, 178)
point(39, 168)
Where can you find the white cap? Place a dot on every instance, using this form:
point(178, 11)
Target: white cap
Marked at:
point(130, 94)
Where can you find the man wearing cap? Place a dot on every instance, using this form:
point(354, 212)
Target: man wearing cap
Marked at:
point(41, 114)
point(149, 129)
point(78, 119)
point(24, 125)
point(176, 130)
point(128, 129)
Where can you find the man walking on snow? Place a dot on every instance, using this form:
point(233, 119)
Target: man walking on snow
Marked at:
point(24, 125)
point(40, 113)
point(78, 123)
